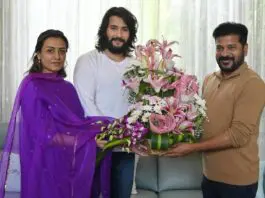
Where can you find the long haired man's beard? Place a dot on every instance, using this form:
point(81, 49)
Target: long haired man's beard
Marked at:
point(118, 50)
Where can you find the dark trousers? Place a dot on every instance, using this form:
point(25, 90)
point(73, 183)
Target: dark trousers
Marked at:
point(212, 189)
point(122, 174)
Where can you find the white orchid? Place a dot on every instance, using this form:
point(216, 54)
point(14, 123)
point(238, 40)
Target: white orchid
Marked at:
point(162, 103)
point(157, 109)
point(202, 111)
point(136, 113)
point(141, 71)
point(199, 101)
point(147, 108)
point(132, 119)
point(145, 117)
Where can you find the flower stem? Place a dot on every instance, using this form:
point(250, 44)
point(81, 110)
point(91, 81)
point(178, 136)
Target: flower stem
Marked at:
point(108, 146)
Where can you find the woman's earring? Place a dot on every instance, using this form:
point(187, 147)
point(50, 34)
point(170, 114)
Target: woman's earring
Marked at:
point(39, 64)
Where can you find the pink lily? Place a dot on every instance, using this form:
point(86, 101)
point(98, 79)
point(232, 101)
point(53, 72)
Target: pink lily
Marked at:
point(172, 104)
point(132, 83)
point(138, 52)
point(186, 125)
point(152, 99)
point(185, 107)
point(150, 54)
point(179, 118)
point(191, 116)
point(176, 84)
point(167, 54)
point(189, 84)
point(156, 82)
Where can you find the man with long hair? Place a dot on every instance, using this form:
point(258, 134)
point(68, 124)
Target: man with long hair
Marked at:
point(98, 80)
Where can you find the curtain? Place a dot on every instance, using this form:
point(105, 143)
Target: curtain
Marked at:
point(190, 22)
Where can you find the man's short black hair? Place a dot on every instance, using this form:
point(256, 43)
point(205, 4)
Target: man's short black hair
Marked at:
point(230, 28)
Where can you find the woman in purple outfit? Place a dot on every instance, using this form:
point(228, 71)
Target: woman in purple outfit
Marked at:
point(48, 130)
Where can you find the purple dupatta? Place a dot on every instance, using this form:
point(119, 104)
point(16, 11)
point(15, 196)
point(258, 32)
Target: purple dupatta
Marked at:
point(56, 144)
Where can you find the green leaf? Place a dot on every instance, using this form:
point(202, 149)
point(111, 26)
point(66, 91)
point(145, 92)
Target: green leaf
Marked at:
point(114, 143)
point(167, 93)
point(100, 156)
point(159, 141)
point(188, 137)
point(180, 137)
point(108, 146)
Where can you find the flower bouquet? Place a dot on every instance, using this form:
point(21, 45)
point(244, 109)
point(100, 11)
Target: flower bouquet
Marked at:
point(165, 106)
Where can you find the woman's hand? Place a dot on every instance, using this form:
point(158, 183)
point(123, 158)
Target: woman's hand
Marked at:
point(101, 143)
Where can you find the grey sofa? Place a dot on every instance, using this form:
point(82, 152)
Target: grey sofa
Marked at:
point(162, 177)
point(169, 177)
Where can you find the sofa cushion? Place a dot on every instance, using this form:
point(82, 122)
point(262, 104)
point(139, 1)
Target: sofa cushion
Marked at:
point(12, 195)
point(146, 173)
point(13, 174)
point(181, 194)
point(3, 129)
point(180, 173)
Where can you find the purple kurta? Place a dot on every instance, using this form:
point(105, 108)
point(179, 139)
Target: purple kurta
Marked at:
point(55, 142)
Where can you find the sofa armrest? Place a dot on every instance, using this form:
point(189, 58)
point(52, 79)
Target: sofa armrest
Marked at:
point(261, 186)
point(3, 130)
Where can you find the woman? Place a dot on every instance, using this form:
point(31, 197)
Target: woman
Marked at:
point(56, 144)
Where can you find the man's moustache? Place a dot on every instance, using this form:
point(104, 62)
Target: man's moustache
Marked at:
point(223, 58)
point(118, 39)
